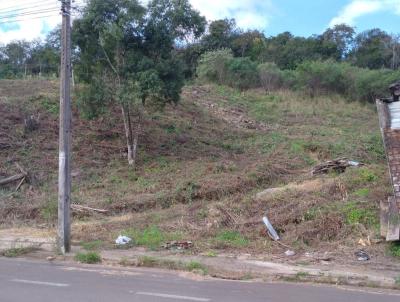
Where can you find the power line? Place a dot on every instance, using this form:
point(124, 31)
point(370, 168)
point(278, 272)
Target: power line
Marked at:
point(35, 12)
point(34, 4)
point(31, 18)
point(21, 8)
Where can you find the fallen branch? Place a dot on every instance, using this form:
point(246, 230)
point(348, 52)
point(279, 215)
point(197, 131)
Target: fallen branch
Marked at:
point(12, 179)
point(80, 208)
point(20, 184)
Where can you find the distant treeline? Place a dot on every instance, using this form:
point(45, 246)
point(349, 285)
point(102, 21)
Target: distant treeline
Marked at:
point(313, 77)
point(299, 60)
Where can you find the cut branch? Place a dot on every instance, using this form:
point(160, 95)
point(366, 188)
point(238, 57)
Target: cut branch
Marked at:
point(12, 179)
point(80, 208)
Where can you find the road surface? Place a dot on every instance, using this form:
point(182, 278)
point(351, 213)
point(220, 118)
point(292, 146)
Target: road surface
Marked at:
point(33, 281)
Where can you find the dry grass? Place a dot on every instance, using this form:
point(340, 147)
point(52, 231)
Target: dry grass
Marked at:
point(200, 165)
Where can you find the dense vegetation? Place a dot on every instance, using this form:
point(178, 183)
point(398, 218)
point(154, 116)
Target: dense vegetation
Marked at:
point(372, 49)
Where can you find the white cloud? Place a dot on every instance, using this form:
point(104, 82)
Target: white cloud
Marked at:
point(249, 14)
point(28, 19)
point(358, 8)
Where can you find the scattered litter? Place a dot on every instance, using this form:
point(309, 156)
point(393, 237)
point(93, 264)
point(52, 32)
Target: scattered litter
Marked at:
point(362, 255)
point(290, 253)
point(271, 231)
point(179, 245)
point(122, 240)
point(364, 242)
point(324, 257)
point(338, 165)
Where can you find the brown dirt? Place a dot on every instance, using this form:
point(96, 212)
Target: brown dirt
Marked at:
point(196, 175)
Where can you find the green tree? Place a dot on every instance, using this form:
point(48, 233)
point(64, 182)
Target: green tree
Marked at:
point(372, 49)
point(126, 56)
point(342, 36)
point(213, 66)
point(270, 76)
point(244, 43)
point(220, 34)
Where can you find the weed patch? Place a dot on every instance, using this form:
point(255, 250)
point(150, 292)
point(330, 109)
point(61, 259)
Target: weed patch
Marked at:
point(230, 239)
point(356, 215)
point(18, 252)
point(89, 258)
point(394, 249)
point(196, 266)
point(151, 237)
point(92, 245)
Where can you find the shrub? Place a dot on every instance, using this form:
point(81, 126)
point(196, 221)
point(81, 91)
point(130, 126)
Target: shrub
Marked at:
point(318, 77)
point(367, 85)
point(242, 73)
point(270, 76)
point(213, 66)
point(394, 249)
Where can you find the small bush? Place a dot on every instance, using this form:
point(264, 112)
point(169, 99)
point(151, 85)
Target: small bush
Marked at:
point(394, 249)
point(242, 73)
point(89, 258)
point(319, 77)
point(270, 76)
point(213, 66)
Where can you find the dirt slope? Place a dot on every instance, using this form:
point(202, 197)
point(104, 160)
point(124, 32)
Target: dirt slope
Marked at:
point(201, 164)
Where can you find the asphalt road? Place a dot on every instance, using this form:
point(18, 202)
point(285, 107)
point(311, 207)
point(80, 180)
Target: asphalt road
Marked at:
point(34, 281)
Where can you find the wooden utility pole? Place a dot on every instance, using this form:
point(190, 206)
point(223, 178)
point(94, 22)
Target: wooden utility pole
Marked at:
point(64, 174)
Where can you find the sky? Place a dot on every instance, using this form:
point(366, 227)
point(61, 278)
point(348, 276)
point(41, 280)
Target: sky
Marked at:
point(301, 17)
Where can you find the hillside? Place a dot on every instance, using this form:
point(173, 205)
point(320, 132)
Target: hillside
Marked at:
point(201, 164)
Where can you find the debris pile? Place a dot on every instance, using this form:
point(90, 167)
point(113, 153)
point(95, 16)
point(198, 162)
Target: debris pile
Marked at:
point(178, 245)
point(338, 165)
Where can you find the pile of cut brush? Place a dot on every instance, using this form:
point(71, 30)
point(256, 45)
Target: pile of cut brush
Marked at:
point(338, 165)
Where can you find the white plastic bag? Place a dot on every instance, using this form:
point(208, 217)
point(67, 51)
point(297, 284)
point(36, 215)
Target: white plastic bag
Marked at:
point(122, 240)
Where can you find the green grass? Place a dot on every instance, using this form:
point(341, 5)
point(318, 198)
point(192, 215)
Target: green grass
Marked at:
point(355, 215)
point(192, 266)
point(151, 237)
point(363, 192)
point(367, 175)
point(394, 249)
point(17, 252)
point(197, 267)
point(50, 105)
point(49, 210)
point(92, 245)
point(89, 257)
point(302, 275)
point(211, 254)
point(230, 239)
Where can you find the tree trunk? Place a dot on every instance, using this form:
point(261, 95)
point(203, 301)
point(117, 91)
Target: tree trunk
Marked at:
point(128, 133)
point(136, 136)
